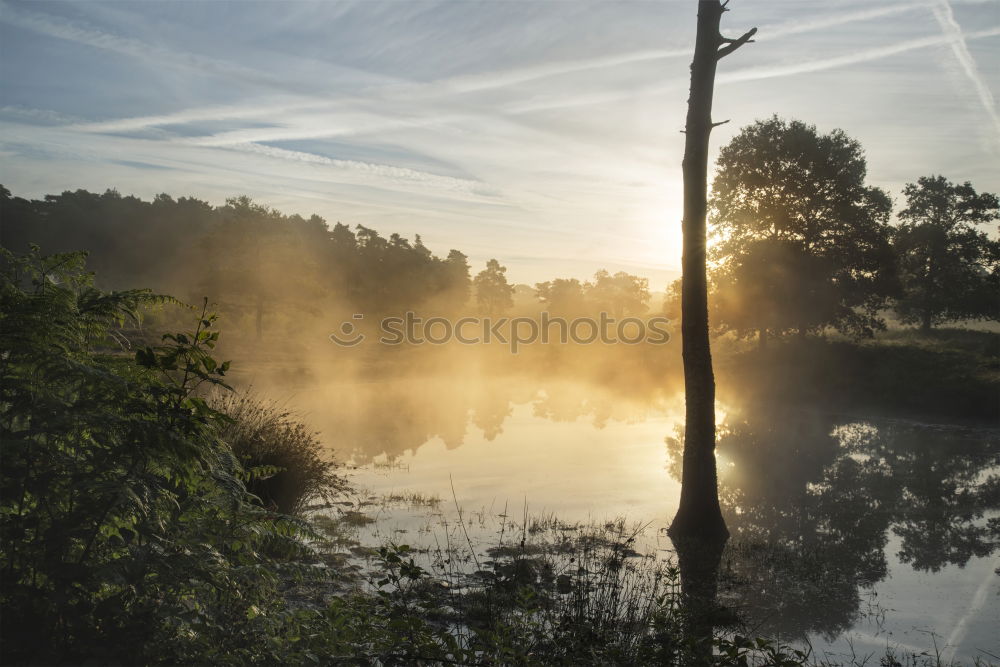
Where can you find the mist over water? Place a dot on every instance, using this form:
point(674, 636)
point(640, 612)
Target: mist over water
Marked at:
point(850, 532)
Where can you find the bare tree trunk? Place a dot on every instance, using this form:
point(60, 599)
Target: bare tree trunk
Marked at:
point(699, 514)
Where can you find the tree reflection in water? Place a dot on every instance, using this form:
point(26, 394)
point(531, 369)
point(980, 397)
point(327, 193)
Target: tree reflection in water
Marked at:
point(811, 501)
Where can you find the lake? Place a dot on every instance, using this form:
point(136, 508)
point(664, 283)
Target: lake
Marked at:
point(849, 533)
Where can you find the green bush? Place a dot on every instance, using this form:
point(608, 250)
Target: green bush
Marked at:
point(128, 534)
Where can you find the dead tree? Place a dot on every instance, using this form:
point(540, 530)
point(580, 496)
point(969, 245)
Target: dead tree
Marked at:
point(699, 515)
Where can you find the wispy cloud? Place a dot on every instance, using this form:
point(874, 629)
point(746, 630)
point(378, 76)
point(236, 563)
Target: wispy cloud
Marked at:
point(81, 33)
point(813, 24)
point(380, 172)
point(486, 81)
point(37, 116)
point(510, 77)
point(193, 115)
point(864, 56)
point(957, 40)
point(759, 73)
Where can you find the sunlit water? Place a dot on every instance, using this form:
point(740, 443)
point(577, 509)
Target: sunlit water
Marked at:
point(893, 516)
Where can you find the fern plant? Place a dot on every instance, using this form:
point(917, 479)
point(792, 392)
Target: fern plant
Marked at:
point(127, 532)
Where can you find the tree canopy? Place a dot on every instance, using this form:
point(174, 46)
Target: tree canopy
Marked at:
point(494, 294)
point(949, 268)
point(802, 242)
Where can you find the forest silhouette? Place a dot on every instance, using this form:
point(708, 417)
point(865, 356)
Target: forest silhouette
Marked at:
point(819, 253)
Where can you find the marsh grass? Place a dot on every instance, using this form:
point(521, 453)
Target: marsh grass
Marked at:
point(538, 590)
point(287, 465)
point(413, 499)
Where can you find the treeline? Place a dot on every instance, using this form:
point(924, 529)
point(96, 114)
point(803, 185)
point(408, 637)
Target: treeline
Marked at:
point(267, 270)
point(801, 243)
point(253, 262)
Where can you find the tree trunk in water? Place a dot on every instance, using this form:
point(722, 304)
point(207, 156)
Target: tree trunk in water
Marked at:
point(698, 561)
point(699, 515)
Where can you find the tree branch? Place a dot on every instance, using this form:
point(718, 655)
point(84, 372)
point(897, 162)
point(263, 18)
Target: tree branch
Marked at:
point(733, 44)
point(721, 122)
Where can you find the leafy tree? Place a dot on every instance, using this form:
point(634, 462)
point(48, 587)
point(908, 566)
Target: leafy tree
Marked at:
point(255, 262)
point(494, 294)
point(621, 294)
point(562, 297)
point(130, 241)
point(799, 231)
point(949, 269)
point(457, 281)
point(778, 282)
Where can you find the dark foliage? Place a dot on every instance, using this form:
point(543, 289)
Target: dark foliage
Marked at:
point(949, 268)
point(128, 534)
point(803, 240)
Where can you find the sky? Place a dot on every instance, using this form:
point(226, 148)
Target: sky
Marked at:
point(545, 133)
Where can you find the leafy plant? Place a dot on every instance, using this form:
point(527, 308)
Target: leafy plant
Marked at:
point(128, 534)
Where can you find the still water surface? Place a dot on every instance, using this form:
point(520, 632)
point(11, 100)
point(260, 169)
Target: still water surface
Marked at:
point(849, 533)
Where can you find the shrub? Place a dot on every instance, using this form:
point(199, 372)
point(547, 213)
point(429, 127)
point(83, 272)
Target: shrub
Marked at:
point(128, 535)
point(289, 468)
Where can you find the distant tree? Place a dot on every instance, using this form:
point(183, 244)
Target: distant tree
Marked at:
point(671, 306)
point(949, 269)
point(562, 297)
point(455, 283)
point(494, 294)
point(19, 219)
point(251, 260)
point(621, 294)
point(799, 232)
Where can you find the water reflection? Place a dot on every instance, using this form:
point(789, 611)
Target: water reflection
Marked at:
point(385, 420)
point(812, 501)
point(821, 506)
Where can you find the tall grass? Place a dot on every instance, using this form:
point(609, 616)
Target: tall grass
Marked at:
point(289, 468)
